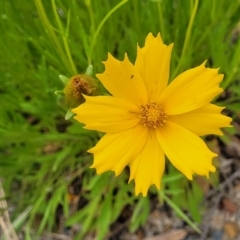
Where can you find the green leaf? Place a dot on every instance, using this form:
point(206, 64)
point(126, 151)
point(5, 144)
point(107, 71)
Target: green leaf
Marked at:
point(195, 196)
point(69, 114)
point(175, 176)
point(89, 70)
point(140, 214)
point(59, 93)
point(104, 217)
point(178, 211)
point(20, 220)
point(63, 79)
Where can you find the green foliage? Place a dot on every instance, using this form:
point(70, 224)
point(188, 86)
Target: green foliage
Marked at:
point(41, 153)
point(140, 214)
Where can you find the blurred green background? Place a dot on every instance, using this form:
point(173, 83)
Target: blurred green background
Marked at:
point(44, 165)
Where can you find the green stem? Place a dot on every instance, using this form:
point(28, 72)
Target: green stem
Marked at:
point(89, 7)
point(162, 196)
point(64, 37)
point(204, 35)
point(100, 27)
point(230, 77)
point(50, 32)
point(213, 10)
point(187, 38)
point(161, 19)
point(136, 16)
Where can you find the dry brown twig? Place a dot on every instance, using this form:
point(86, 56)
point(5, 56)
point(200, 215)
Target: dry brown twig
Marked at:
point(5, 223)
point(211, 193)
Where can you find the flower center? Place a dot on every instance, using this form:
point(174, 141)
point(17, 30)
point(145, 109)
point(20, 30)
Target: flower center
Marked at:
point(80, 86)
point(152, 115)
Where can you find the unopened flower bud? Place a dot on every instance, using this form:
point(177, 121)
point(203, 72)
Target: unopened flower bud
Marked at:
point(76, 86)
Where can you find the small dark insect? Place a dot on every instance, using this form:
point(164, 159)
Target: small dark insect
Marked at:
point(132, 76)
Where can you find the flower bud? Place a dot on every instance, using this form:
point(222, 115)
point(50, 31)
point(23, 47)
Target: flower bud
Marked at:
point(76, 86)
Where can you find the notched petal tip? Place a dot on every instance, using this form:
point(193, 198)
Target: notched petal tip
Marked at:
point(90, 150)
point(130, 179)
point(159, 37)
point(109, 55)
point(158, 185)
point(170, 46)
point(213, 69)
point(220, 133)
point(138, 192)
point(150, 35)
point(99, 75)
point(189, 176)
point(117, 172)
point(77, 109)
point(125, 57)
point(85, 96)
point(75, 117)
point(210, 68)
point(111, 59)
point(86, 127)
point(149, 39)
point(74, 110)
point(221, 76)
point(99, 169)
point(92, 166)
point(212, 168)
point(204, 63)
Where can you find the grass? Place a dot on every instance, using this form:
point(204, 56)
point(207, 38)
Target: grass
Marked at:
point(41, 153)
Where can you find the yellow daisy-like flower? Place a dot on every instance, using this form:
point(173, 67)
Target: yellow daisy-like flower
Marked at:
point(146, 119)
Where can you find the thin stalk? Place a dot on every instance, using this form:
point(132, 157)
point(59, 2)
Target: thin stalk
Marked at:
point(162, 30)
point(50, 32)
point(64, 37)
point(235, 66)
point(136, 16)
point(213, 8)
point(187, 38)
point(230, 77)
point(100, 27)
point(204, 35)
point(164, 197)
point(89, 7)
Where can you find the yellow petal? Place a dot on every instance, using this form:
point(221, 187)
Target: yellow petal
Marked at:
point(122, 80)
point(116, 150)
point(147, 169)
point(202, 121)
point(153, 63)
point(192, 89)
point(107, 114)
point(186, 151)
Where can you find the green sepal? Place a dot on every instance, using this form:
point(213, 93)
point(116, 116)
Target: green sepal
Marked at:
point(89, 70)
point(63, 79)
point(69, 114)
point(59, 93)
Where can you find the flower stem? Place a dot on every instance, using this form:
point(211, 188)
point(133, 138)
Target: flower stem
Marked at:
point(91, 15)
point(163, 196)
point(187, 38)
point(161, 19)
point(64, 36)
point(100, 27)
point(49, 30)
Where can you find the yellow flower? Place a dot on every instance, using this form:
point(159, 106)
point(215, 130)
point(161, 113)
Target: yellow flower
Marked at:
point(146, 119)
